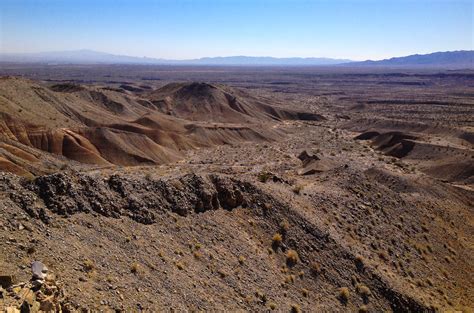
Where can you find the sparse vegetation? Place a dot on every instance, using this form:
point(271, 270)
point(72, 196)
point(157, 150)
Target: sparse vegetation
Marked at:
point(276, 240)
point(295, 308)
point(210, 222)
point(134, 268)
point(344, 294)
point(291, 257)
point(263, 176)
point(359, 261)
point(88, 265)
point(284, 226)
point(179, 265)
point(315, 268)
point(305, 292)
point(363, 290)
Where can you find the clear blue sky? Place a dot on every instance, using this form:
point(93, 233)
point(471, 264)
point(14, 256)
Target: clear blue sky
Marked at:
point(178, 29)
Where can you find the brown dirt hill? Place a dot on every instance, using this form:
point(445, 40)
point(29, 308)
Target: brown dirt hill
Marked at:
point(441, 161)
point(216, 103)
point(102, 126)
point(439, 151)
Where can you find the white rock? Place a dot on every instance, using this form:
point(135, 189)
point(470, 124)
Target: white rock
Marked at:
point(39, 270)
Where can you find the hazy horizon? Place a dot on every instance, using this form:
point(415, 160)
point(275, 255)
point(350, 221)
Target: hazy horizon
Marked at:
point(181, 30)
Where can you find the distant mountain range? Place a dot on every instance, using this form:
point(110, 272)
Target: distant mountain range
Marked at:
point(94, 57)
point(451, 59)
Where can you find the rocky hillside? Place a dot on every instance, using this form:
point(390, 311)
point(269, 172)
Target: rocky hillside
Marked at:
point(366, 210)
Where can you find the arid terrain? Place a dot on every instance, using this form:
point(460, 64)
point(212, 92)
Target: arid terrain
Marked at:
point(305, 189)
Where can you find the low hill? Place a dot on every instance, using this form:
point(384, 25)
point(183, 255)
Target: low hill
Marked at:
point(213, 103)
point(104, 127)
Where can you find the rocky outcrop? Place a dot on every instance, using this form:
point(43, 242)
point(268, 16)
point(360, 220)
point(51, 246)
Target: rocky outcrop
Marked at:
point(138, 198)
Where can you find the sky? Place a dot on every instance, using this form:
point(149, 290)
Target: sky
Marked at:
point(185, 29)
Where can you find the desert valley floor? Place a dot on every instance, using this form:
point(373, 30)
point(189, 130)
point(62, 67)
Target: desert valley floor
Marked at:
point(146, 188)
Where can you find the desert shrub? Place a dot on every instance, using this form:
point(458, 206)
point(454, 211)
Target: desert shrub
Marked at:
point(88, 265)
point(305, 292)
point(315, 268)
point(222, 273)
point(295, 308)
point(241, 260)
point(272, 306)
point(263, 177)
point(291, 257)
point(344, 294)
point(363, 290)
point(363, 309)
point(289, 279)
point(261, 296)
point(284, 226)
point(359, 261)
point(276, 240)
point(134, 268)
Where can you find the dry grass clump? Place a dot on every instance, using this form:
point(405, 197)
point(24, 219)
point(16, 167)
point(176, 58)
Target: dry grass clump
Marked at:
point(363, 290)
point(88, 265)
point(284, 226)
point(134, 268)
point(305, 292)
point(276, 240)
point(359, 261)
point(290, 279)
point(261, 296)
point(241, 260)
point(222, 273)
point(344, 294)
point(315, 268)
point(295, 308)
point(263, 177)
point(291, 257)
point(363, 309)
